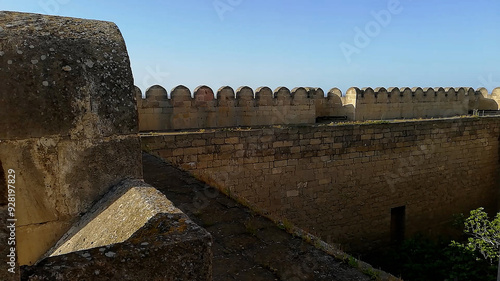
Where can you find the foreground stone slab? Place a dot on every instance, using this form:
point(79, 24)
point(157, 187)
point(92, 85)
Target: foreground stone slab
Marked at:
point(132, 233)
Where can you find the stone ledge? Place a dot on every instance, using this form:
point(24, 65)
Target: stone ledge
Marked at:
point(134, 232)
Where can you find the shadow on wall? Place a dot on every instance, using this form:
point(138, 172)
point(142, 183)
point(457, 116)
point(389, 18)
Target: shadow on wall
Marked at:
point(485, 101)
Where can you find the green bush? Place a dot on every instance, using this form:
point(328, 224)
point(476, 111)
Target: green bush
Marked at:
point(423, 259)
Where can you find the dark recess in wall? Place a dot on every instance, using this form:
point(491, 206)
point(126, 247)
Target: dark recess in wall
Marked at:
point(398, 215)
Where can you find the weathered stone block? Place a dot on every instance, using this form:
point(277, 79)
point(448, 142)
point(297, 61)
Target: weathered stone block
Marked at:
point(63, 76)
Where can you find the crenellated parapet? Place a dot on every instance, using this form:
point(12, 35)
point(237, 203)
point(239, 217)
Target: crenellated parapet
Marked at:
point(401, 103)
point(204, 108)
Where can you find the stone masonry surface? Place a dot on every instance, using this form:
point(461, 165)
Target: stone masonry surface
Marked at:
point(341, 181)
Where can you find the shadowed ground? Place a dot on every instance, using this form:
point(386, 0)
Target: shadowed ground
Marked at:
point(246, 246)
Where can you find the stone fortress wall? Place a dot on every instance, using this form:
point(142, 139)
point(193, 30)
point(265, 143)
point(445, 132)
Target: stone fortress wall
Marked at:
point(346, 183)
point(74, 145)
point(245, 107)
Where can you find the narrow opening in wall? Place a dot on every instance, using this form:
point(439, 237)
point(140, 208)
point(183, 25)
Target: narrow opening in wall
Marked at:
point(3, 186)
point(398, 216)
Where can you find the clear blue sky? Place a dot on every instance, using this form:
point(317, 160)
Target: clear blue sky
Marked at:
point(322, 43)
